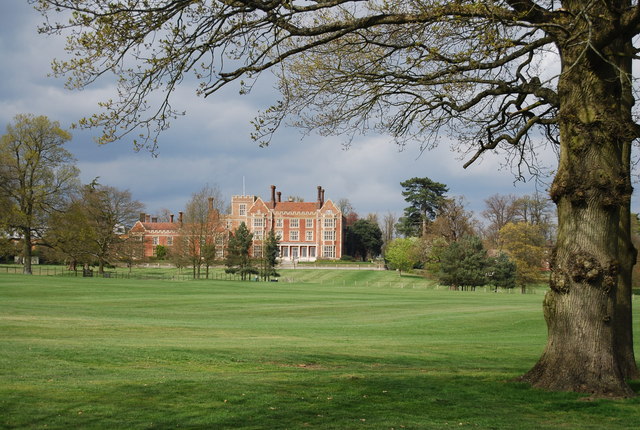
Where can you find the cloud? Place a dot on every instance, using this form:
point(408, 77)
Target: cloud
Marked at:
point(212, 145)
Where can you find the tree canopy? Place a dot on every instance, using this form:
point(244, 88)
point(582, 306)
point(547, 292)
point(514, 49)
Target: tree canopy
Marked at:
point(37, 176)
point(415, 70)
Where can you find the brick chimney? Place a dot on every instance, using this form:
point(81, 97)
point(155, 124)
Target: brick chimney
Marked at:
point(273, 195)
point(148, 218)
point(210, 204)
point(143, 217)
point(180, 214)
point(319, 197)
point(279, 196)
point(171, 217)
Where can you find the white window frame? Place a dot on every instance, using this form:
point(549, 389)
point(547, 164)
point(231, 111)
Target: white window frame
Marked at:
point(294, 235)
point(309, 236)
point(258, 222)
point(309, 223)
point(294, 223)
point(242, 209)
point(329, 223)
point(329, 235)
point(279, 222)
point(329, 251)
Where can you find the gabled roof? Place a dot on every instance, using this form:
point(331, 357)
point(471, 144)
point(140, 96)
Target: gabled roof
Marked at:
point(149, 226)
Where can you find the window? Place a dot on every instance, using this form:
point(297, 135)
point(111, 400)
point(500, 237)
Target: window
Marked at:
point(303, 251)
point(257, 250)
point(309, 223)
point(258, 222)
point(329, 223)
point(294, 235)
point(329, 235)
point(279, 234)
point(169, 241)
point(284, 251)
point(279, 222)
point(329, 251)
point(242, 210)
point(312, 251)
point(257, 235)
point(156, 240)
point(309, 235)
point(294, 223)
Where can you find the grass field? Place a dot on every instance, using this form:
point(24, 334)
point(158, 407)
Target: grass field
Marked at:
point(367, 353)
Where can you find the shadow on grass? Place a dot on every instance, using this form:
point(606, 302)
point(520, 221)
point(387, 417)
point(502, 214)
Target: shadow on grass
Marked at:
point(293, 396)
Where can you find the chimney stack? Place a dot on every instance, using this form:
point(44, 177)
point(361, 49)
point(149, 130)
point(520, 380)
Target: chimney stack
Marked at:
point(279, 196)
point(273, 194)
point(210, 204)
point(171, 216)
point(322, 198)
point(319, 196)
point(154, 219)
point(148, 218)
point(143, 217)
point(180, 217)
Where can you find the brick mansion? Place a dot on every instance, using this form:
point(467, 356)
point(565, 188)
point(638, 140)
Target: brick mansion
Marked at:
point(306, 230)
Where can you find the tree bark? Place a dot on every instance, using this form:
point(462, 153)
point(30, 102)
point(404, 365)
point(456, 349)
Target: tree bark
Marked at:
point(588, 308)
point(26, 252)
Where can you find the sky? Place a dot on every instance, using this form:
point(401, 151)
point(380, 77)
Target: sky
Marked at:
point(211, 145)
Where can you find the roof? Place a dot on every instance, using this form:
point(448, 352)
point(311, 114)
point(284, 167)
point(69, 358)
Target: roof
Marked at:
point(157, 226)
point(296, 206)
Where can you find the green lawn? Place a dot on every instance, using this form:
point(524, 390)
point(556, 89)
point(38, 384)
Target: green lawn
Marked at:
point(366, 353)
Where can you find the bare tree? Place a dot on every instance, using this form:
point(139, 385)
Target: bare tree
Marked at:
point(200, 229)
point(500, 210)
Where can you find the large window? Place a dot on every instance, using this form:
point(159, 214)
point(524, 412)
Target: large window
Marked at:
point(312, 251)
point(279, 222)
point(169, 241)
point(329, 223)
point(279, 234)
point(258, 222)
point(257, 250)
point(309, 235)
point(284, 251)
point(242, 210)
point(329, 251)
point(257, 235)
point(329, 235)
point(309, 223)
point(294, 235)
point(155, 240)
point(294, 223)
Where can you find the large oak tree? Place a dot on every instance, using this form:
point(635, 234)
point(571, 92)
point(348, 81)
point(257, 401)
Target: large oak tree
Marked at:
point(416, 69)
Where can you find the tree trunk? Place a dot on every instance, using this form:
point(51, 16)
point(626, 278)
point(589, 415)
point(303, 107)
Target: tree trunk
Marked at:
point(588, 308)
point(26, 252)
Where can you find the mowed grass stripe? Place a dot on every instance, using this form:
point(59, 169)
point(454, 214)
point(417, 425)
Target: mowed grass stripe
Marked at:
point(107, 353)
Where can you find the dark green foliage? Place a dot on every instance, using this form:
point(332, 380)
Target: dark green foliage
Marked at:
point(270, 257)
point(238, 260)
point(502, 272)
point(364, 239)
point(161, 252)
point(464, 264)
point(425, 197)
point(409, 225)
